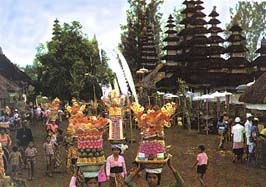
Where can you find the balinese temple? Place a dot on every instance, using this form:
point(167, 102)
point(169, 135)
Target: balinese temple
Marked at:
point(129, 49)
point(237, 49)
point(260, 62)
point(197, 55)
point(171, 42)
point(169, 82)
point(171, 62)
point(203, 67)
point(149, 56)
point(185, 34)
point(215, 41)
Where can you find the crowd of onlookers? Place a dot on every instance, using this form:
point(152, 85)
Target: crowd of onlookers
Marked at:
point(248, 138)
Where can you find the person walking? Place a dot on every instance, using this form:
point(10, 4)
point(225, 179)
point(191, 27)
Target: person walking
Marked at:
point(30, 155)
point(202, 163)
point(238, 140)
point(49, 156)
point(222, 130)
point(23, 138)
point(116, 167)
point(16, 161)
point(248, 125)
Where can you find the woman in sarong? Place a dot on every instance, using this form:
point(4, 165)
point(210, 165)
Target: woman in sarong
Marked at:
point(116, 167)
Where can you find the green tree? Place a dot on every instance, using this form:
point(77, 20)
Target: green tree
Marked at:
point(251, 17)
point(70, 64)
point(139, 15)
point(178, 17)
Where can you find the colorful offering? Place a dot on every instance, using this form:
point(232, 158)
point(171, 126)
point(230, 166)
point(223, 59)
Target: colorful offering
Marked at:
point(89, 131)
point(152, 123)
point(114, 103)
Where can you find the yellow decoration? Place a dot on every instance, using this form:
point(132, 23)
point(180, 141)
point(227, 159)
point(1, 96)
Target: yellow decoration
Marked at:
point(153, 120)
point(115, 111)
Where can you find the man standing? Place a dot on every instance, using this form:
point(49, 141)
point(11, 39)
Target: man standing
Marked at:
point(248, 125)
point(222, 130)
point(238, 140)
point(24, 135)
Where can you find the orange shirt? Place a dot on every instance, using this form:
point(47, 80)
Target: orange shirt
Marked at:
point(5, 140)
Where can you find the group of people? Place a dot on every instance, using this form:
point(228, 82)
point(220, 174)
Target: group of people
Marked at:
point(19, 151)
point(52, 146)
point(116, 174)
point(248, 137)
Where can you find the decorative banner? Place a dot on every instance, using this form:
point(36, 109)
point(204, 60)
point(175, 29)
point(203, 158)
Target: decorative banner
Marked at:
point(116, 129)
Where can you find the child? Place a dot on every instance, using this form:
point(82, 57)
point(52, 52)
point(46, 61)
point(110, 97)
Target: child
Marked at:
point(30, 154)
point(202, 163)
point(15, 160)
point(49, 155)
point(251, 152)
point(72, 155)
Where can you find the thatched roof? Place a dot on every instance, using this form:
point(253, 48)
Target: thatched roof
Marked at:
point(7, 86)
point(255, 94)
point(11, 72)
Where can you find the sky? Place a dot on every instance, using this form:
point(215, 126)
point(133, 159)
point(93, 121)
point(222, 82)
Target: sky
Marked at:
point(27, 23)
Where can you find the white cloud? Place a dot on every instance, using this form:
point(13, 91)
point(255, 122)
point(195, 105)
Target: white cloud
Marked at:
point(26, 23)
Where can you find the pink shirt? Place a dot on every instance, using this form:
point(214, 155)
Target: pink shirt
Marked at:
point(73, 182)
point(202, 159)
point(110, 162)
point(51, 126)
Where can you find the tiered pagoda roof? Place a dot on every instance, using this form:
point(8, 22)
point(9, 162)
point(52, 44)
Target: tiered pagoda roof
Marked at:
point(199, 41)
point(184, 46)
point(202, 65)
point(215, 49)
point(129, 44)
point(237, 49)
point(260, 61)
point(171, 41)
point(149, 57)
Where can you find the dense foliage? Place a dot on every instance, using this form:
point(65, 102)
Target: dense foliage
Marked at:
point(139, 15)
point(251, 16)
point(70, 65)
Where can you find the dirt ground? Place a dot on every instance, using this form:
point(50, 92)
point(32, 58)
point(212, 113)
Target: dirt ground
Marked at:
point(221, 171)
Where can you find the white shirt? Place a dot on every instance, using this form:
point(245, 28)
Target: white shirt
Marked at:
point(238, 131)
point(248, 125)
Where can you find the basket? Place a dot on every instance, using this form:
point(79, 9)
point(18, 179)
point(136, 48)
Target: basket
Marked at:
point(90, 167)
point(152, 164)
point(155, 161)
point(116, 141)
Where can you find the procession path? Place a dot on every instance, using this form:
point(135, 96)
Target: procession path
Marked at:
point(221, 171)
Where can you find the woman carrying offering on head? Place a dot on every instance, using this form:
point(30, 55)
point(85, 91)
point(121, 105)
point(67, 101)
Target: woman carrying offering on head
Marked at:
point(153, 176)
point(89, 181)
